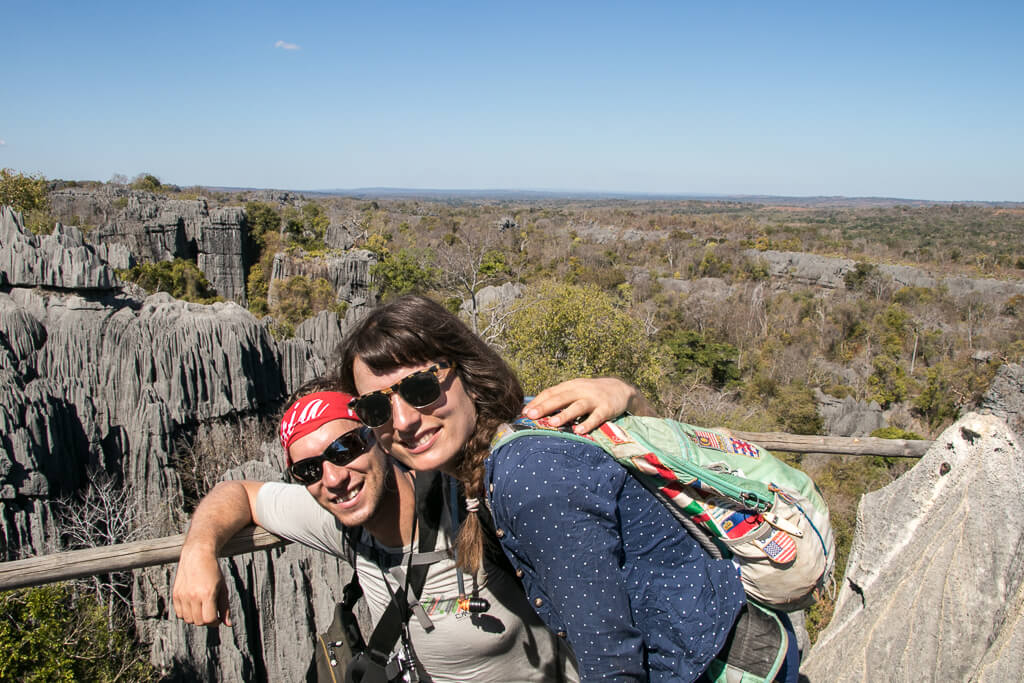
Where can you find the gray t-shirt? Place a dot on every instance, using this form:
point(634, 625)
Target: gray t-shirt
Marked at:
point(509, 642)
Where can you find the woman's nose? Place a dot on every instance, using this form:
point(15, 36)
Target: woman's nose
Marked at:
point(403, 415)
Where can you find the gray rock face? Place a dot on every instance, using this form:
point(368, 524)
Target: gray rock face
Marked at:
point(826, 271)
point(348, 273)
point(340, 235)
point(110, 381)
point(848, 416)
point(61, 260)
point(1005, 397)
point(807, 269)
point(152, 227)
point(934, 586)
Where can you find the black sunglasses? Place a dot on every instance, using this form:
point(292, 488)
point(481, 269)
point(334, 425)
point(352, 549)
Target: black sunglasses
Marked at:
point(340, 452)
point(419, 390)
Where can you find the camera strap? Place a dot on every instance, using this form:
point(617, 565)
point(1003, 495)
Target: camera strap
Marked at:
point(429, 504)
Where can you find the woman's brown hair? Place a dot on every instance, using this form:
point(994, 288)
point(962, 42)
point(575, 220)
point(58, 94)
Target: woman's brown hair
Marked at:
point(412, 330)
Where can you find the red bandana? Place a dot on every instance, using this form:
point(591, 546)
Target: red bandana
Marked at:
point(311, 412)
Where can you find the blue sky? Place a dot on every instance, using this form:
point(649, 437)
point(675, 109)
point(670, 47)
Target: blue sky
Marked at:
point(915, 100)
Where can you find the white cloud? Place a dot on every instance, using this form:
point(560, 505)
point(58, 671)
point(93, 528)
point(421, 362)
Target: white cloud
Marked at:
point(286, 46)
point(2, 143)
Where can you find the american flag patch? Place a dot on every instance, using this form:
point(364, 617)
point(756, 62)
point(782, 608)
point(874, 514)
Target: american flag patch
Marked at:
point(743, 448)
point(709, 440)
point(780, 547)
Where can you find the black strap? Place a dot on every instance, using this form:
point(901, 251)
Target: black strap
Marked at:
point(429, 502)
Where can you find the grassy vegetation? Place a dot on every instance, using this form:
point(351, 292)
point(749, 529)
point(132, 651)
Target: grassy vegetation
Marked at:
point(50, 633)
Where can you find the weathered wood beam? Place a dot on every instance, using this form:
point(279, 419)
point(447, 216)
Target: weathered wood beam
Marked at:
point(75, 564)
point(838, 445)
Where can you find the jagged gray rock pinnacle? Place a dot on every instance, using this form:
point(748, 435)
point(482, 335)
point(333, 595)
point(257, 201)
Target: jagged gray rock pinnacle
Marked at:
point(934, 586)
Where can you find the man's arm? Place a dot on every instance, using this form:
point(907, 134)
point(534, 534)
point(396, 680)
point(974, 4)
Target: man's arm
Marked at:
point(599, 399)
point(199, 595)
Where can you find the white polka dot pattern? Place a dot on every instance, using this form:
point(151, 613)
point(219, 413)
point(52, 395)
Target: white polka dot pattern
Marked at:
point(603, 561)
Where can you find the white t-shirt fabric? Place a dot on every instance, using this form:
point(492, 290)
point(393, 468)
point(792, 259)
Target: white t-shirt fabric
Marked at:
point(509, 642)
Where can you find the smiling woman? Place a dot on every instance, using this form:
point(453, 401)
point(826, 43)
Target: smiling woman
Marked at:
point(602, 561)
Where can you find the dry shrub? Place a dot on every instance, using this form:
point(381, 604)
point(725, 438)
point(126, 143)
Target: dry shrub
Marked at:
point(203, 455)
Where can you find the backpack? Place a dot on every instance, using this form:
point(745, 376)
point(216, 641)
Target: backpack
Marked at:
point(768, 517)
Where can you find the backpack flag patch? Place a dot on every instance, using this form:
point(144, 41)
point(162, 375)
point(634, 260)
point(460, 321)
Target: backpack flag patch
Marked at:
point(741, 447)
point(706, 439)
point(779, 547)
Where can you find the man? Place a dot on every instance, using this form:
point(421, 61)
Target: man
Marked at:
point(370, 491)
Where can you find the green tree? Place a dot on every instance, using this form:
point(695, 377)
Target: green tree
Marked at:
point(28, 194)
point(147, 182)
point(306, 227)
point(50, 634)
point(888, 382)
point(404, 271)
point(261, 219)
point(180, 278)
point(560, 331)
point(692, 352)
point(937, 403)
point(23, 192)
point(298, 298)
point(797, 411)
point(256, 289)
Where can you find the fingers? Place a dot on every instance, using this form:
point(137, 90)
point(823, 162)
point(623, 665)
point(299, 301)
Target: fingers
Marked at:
point(598, 400)
point(199, 594)
point(224, 607)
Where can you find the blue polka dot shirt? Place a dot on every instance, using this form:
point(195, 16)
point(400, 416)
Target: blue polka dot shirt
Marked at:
point(606, 565)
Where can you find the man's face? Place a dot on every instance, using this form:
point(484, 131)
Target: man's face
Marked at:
point(353, 492)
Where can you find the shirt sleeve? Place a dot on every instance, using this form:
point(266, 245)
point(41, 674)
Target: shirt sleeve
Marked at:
point(289, 511)
point(560, 503)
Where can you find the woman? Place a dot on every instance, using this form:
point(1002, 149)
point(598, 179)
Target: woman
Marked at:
point(604, 564)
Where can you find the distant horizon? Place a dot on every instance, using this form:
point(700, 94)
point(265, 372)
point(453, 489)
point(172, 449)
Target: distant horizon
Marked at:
point(872, 99)
point(585, 194)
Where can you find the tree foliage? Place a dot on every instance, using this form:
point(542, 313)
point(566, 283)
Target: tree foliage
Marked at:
point(562, 331)
point(297, 298)
point(693, 353)
point(405, 271)
point(28, 194)
point(50, 634)
point(180, 278)
point(23, 192)
point(147, 182)
point(261, 219)
point(306, 227)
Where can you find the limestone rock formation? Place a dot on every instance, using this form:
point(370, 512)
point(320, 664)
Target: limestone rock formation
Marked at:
point(348, 273)
point(934, 588)
point(341, 235)
point(152, 227)
point(828, 272)
point(61, 260)
point(1005, 397)
point(848, 416)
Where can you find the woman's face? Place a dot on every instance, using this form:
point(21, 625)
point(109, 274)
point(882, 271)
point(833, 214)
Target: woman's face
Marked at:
point(426, 438)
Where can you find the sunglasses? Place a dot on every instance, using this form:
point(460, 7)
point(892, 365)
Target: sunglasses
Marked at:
point(419, 390)
point(340, 452)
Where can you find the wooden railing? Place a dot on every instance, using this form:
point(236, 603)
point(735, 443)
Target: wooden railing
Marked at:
point(76, 564)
